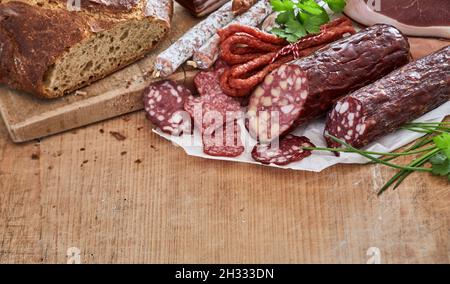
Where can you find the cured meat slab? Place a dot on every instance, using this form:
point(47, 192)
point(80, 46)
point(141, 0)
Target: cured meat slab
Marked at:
point(200, 8)
point(413, 17)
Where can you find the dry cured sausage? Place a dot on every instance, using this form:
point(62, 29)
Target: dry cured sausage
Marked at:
point(168, 61)
point(396, 99)
point(306, 89)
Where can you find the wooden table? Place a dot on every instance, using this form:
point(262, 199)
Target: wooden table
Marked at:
point(134, 197)
point(142, 200)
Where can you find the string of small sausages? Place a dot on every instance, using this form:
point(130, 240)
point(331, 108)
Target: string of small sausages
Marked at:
point(329, 32)
point(253, 54)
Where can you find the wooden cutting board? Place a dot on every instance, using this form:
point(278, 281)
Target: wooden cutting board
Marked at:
point(28, 118)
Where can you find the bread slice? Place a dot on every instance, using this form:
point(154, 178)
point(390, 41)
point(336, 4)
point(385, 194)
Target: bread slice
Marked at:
point(49, 51)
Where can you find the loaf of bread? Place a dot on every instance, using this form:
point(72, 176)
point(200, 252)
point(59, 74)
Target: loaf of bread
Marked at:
point(52, 47)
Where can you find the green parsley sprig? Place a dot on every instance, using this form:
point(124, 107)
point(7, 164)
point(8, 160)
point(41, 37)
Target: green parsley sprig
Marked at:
point(434, 148)
point(297, 18)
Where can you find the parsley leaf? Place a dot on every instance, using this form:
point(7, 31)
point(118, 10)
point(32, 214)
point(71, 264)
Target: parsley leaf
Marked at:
point(441, 161)
point(296, 28)
point(277, 5)
point(438, 159)
point(442, 169)
point(336, 6)
point(443, 143)
point(310, 6)
point(284, 17)
point(312, 23)
point(282, 5)
point(279, 32)
point(297, 18)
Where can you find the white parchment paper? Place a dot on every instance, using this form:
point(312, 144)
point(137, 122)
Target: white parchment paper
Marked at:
point(319, 160)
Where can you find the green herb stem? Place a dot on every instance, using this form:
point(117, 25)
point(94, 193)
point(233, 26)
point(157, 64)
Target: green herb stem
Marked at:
point(378, 160)
point(402, 175)
point(425, 130)
point(369, 152)
point(427, 139)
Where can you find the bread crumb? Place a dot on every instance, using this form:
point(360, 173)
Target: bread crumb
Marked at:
point(80, 93)
point(119, 136)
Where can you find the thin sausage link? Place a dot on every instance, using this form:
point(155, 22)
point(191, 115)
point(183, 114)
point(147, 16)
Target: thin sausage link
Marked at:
point(263, 36)
point(241, 70)
point(230, 91)
point(248, 41)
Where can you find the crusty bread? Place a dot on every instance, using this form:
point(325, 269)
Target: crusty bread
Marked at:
point(47, 50)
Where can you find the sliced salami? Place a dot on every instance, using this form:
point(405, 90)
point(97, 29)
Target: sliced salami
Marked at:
point(400, 97)
point(223, 141)
point(207, 82)
point(273, 107)
point(206, 55)
point(164, 106)
point(306, 89)
point(212, 108)
point(289, 150)
point(168, 61)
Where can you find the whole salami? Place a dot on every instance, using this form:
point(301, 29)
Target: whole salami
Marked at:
point(164, 106)
point(385, 105)
point(306, 89)
point(168, 61)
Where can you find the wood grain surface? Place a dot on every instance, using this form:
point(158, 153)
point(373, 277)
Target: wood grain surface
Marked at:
point(117, 193)
point(143, 200)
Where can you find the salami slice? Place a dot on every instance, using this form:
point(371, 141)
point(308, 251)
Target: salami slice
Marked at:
point(206, 55)
point(168, 61)
point(164, 106)
point(396, 99)
point(223, 141)
point(207, 82)
point(306, 89)
point(289, 150)
point(212, 108)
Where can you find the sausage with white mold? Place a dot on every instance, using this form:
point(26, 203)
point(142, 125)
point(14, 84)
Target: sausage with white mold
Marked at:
point(169, 60)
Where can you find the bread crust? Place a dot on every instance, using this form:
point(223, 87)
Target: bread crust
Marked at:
point(29, 48)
